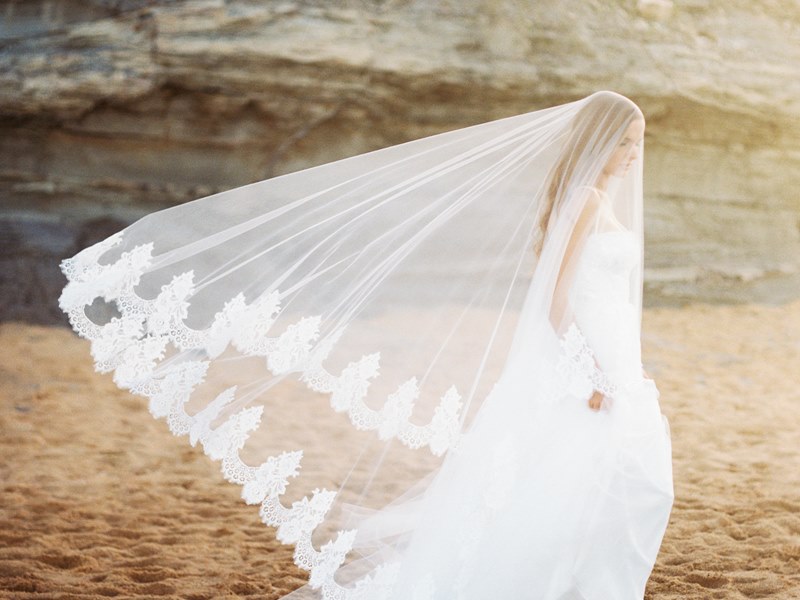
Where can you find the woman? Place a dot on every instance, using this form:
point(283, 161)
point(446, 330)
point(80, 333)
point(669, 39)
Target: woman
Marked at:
point(489, 279)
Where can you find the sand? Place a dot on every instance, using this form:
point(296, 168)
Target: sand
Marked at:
point(100, 500)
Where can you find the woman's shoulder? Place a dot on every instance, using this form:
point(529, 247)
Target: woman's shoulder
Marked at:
point(592, 199)
point(597, 192)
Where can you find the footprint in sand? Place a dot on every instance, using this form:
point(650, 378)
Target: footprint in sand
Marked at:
point(707, 580)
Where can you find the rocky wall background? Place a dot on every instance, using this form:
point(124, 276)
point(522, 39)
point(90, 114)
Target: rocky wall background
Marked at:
point(110, 109)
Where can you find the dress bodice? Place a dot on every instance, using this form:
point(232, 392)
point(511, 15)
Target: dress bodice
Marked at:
point(600, 299)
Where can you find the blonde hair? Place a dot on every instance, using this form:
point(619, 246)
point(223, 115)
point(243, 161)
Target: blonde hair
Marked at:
point(593, 129)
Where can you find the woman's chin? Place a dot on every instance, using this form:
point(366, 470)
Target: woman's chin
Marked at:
point(622, 172)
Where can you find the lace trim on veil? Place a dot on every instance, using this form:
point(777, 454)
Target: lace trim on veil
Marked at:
point(132, 344)
point(578, 369)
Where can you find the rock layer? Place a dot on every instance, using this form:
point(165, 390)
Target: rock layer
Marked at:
point(111, 109)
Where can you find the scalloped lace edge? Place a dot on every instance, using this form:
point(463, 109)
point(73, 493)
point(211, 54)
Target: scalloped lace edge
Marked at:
point(132, 344)
point(579, 372)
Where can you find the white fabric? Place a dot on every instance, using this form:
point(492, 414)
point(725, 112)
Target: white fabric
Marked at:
point(412, 336)
point(548, 502)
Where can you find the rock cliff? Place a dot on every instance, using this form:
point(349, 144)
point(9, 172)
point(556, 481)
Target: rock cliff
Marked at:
point(112, 108)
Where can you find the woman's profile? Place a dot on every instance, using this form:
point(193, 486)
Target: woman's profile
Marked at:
point(422, 363)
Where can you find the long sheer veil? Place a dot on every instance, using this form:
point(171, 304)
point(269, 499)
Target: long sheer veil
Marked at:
point(331, 335)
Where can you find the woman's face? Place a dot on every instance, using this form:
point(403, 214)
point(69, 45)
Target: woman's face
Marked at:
point(627, 150)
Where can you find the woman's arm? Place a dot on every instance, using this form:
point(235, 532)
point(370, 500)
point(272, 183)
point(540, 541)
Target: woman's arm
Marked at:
point(561, 312)
point(583, 225)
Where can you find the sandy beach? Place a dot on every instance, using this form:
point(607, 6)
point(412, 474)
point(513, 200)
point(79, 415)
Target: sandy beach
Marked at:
point(100, 500)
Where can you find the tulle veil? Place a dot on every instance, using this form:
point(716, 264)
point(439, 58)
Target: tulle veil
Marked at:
point(331, 335)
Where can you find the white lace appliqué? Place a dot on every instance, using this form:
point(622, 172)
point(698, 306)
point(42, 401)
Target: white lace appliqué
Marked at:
point(578, 369)
point(133, 344)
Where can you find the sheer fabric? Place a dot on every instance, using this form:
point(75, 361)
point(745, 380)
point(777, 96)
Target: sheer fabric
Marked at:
point(393, 351)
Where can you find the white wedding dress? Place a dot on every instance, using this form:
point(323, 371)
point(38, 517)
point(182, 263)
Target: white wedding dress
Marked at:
point(392, 355)
point(550, 501)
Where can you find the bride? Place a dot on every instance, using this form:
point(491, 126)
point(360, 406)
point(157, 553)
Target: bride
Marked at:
point(476, 293)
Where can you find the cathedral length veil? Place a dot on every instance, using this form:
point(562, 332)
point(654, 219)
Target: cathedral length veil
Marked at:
point(331, 335)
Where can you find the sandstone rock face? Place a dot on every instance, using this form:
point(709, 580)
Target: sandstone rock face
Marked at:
point(110, 109)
